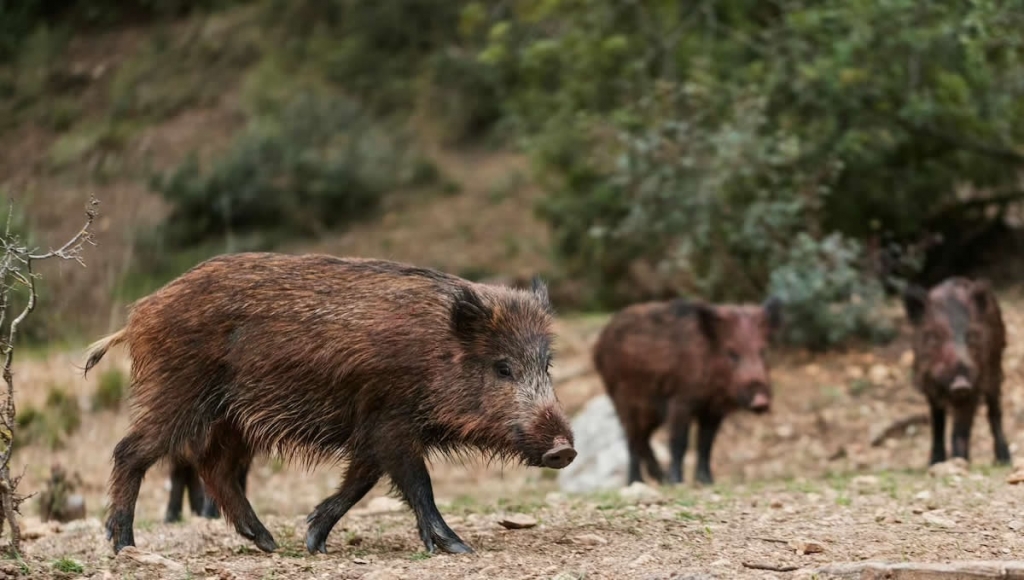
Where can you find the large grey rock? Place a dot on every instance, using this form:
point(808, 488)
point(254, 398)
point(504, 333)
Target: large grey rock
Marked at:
point(601, 456)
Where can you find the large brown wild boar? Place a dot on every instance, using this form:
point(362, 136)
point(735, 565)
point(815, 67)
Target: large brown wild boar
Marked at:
point(677, 361)
point(958, 345)
point(185, 478)
point(322, 358)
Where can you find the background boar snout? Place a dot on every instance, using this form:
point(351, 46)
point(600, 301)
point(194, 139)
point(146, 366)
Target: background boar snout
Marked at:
point(760, 403)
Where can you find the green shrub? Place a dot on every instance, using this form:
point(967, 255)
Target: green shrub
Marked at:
point(319, 165)
point(827, 295)
point(687, 152)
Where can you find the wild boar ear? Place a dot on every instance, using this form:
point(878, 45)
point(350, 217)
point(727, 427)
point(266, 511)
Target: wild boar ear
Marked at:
point(981, 294)
point(707, 321)
point(773, 313)
point(469, 314)
point(540, 290)
point(914, 298)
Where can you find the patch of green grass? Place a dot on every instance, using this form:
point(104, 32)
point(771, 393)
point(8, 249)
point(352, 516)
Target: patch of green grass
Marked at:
point(51, 425)
point(420, 556)
point(99, 145)
point(110, 390)
point(843, 500)
point(68, 566)
point(859, 387)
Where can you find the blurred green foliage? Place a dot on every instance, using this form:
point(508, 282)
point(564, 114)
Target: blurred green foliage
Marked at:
point(725, 148)
point(747, 147)
point(319, 164)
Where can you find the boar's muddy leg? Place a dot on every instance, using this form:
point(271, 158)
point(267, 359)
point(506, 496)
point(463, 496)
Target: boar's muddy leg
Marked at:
point(409, 475)
point(133, 456)
point(360, 478)
point(938, 413)
point(679, 439)
point(707, 428)
point(225, 455)
point(963, 420)
point(995, 422)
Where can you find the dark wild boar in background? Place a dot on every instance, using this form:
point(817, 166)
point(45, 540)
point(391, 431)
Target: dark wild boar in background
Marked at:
point(673, 362)
point(321, 358)
point(958, 345)
point(185, 479)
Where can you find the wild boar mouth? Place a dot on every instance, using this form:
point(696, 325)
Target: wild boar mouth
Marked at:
point(960, 384)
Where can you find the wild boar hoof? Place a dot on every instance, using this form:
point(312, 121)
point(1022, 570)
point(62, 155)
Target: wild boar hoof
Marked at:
point(449, 546)
point(316, 542)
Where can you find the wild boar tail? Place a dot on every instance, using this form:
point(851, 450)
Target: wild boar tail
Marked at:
point(99, 348)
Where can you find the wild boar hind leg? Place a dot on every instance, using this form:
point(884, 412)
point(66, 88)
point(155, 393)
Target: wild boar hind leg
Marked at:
point(361, 476)
point(225, 455)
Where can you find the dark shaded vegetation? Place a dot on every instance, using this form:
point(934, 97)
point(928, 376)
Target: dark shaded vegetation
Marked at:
point(822, 152)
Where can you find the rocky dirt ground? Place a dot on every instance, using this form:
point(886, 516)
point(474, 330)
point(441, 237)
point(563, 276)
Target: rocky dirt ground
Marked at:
point(796, 490)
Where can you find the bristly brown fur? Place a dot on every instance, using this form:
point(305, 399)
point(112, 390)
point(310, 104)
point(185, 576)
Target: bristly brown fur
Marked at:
point(678, 361)
point(320, 359)
point(958, 330)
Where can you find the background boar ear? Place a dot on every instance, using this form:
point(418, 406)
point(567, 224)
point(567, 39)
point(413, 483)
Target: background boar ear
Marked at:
point(773, 312)
point(707, 321)
point(914, 298)
point(540, 290)
point(980, 295)
point(469, 314)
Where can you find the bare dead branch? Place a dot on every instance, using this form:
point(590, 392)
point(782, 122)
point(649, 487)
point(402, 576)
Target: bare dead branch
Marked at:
point(770, 567)
point(16, 272)
point(898, 427)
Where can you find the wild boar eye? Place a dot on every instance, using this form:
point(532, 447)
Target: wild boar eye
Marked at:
point(734, 356)
point(503, 369)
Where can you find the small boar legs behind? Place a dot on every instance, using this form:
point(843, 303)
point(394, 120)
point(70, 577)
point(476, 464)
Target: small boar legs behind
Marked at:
point(185, 478)
point(324, 359)
point(678, 361)
point(958, 344)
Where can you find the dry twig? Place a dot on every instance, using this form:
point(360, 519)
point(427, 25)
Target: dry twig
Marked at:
point(16, 260)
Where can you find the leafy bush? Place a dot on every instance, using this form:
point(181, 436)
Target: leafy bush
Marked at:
point(320, 164)
point(828, 298)
point(732, 149)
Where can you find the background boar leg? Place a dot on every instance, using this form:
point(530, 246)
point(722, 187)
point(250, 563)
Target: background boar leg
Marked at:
point(938, 412)
point(707, 428)
point(638, 438)
point(412, 480)
point(995, 422)
point(225, 455)
point(963, 419)
point(133, 456)
point(679, 420)
point(360, 478)
point(184, 477)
